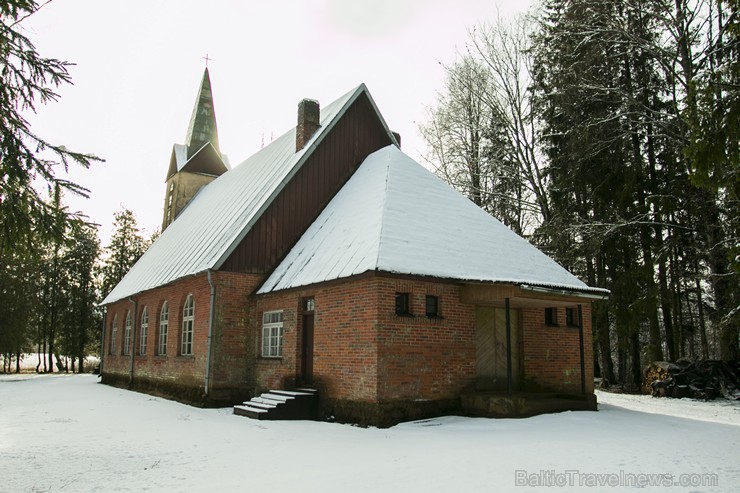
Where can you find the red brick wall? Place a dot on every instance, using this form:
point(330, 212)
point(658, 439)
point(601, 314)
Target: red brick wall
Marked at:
point(230, 356)
point(345, 355)
point(363, 351)
point(420, 357)
point(232, 367)
point(183, 370)
point(551, 354)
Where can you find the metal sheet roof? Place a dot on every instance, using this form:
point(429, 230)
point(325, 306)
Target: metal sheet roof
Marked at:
point(222, 213)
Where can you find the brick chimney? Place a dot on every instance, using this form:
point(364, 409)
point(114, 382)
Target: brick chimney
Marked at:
point(308, 122)
point(397, 136)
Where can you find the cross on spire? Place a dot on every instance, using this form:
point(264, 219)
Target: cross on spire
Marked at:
point(207, 59)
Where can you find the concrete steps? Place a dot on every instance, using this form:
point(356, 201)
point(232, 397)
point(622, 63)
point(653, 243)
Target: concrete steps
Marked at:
point(281, 404)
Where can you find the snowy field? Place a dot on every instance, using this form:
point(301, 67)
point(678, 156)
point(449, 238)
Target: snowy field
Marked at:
point(63, 433)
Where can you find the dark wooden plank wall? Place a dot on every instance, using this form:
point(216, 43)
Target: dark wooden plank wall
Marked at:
point(358, 134)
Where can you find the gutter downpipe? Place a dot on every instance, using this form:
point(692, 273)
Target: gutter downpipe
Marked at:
point(210, 332)
point(133, 339)
point(102, 343)
point(509, 378)
point(580, 347)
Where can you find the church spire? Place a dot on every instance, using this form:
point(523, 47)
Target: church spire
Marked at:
point(202, 128)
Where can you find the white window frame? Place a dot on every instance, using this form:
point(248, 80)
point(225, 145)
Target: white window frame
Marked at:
point(188, 319)
point(164, 323)
point(113, 334)
point(127, 334)
point(272, 334)
point(144, 331)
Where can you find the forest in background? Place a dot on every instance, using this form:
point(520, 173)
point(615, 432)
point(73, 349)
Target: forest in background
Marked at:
point(53, 270)
point(608, 133)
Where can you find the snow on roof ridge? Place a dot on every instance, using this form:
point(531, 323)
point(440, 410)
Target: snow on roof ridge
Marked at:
point(384, 207)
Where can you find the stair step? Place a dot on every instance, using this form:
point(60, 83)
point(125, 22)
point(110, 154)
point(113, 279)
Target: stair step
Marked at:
point(260, 405)
point(307, 390)
point(250, 408)
point(281, 404)
point(276, 397)
point(250, 412)
point(289, 393)
point(270, 402)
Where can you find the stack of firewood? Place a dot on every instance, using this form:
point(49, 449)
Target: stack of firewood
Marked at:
point(706, 379)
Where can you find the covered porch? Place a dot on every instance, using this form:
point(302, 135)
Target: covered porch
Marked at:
point(533, 350)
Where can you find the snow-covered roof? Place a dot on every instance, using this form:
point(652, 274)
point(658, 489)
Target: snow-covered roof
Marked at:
point(181, 155)
point(196, 164)
point(395, 216)
point(223, 212)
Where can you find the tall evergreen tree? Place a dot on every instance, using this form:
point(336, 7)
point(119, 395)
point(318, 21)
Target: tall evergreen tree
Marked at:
point(80, 321)
point(126, 246)
point(28, 79)
point(633, 116)
point(591, 183)
point(713, 153)
point(19, 302)
point(618, 84)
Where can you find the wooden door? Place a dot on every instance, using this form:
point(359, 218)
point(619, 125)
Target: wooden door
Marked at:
point(490, 344)
point(307, 350)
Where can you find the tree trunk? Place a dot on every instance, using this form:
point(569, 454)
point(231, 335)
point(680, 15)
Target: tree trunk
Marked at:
point(702, 323)
point(600, 316)
point(665, 303)
point(691, 326)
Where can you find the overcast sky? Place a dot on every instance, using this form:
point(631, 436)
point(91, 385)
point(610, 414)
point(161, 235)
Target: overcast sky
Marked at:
point(139, 64)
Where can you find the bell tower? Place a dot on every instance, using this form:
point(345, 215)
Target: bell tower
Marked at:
point(199, 161)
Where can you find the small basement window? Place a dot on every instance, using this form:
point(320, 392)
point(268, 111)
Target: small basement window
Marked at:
point(402, 304)
point(432, 306)
point(551, 317)
point(571, 317)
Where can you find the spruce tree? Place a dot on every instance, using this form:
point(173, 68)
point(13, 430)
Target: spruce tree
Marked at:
point(126, 246)
point(28, 80)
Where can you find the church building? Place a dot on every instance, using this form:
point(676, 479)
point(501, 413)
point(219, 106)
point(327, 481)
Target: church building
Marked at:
point(331, 265)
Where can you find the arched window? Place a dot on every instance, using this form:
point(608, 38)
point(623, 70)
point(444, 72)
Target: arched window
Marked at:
point(113, 334)
point(144, 331)
point(164, 322)
point(188, 315)
point(127, 334)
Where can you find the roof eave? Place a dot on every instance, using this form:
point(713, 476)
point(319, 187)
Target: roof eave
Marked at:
point(553, 290)
point(586, 292)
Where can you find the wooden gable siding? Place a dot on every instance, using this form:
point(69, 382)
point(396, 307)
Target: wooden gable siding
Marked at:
point(358, 134)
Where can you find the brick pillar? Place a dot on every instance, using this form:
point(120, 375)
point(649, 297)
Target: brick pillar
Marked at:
point(308, 122)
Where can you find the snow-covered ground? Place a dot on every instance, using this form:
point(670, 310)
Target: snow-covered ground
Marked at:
point(69, 433)
point(29, 361)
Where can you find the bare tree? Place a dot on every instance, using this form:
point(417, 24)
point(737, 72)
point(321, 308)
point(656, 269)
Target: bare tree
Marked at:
point(504, 48)
point(482, 133)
